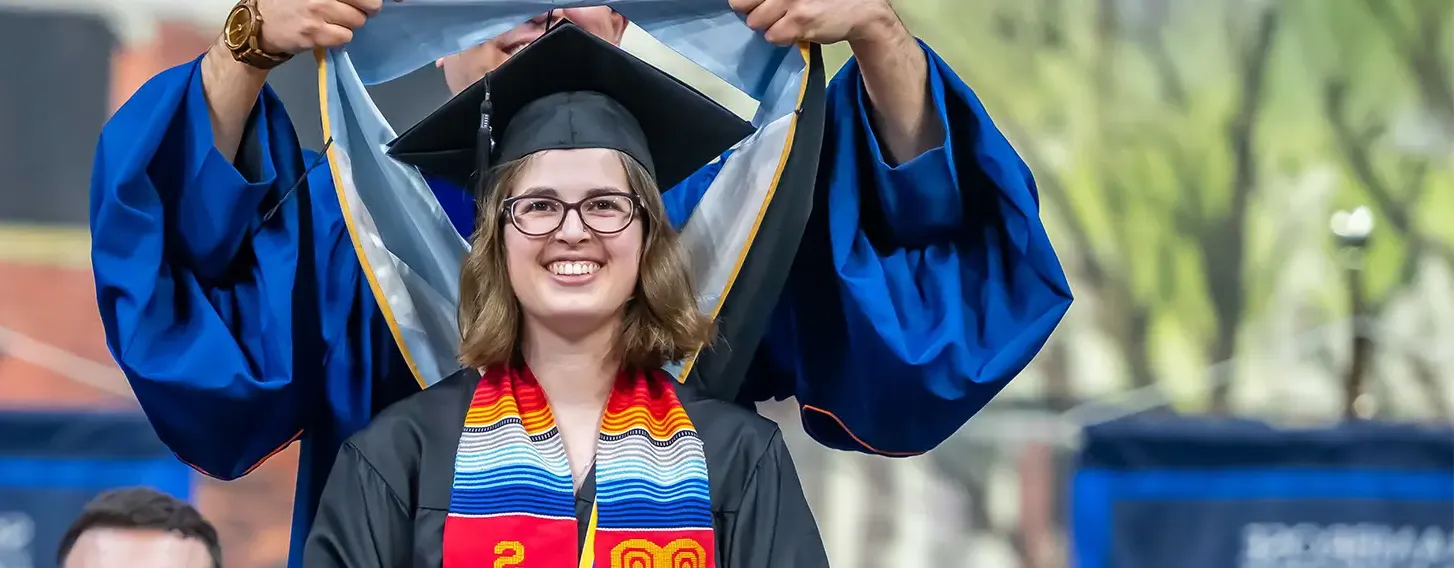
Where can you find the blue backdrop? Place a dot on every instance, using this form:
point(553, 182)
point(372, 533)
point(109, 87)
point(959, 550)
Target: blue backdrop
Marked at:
point(52, 464)
point(1169, 491)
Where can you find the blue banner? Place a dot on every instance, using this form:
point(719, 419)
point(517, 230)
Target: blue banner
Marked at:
point(1182, 492)
point(52, 464)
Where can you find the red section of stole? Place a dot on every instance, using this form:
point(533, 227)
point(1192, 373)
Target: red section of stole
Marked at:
point(655, 549)
point(524, 542)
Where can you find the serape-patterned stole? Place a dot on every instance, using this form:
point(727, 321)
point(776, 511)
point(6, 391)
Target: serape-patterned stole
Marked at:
point(512, 503)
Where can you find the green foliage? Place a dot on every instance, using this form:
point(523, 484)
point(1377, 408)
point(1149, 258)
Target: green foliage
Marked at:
point(1128, 111)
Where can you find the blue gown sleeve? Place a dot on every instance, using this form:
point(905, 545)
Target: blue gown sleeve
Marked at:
point(935, 286)
point(209, 309)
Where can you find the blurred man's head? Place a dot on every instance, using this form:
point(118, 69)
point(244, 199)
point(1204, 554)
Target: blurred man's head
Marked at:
point(139, 527)
point(464, 68)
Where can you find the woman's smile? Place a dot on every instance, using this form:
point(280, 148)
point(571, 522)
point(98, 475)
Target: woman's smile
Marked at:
point(570, 272)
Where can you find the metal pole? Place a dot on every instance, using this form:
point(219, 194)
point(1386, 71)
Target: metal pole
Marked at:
point(1352, 230)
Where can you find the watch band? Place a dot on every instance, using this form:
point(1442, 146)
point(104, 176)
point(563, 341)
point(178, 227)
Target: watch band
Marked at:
point(260, 59)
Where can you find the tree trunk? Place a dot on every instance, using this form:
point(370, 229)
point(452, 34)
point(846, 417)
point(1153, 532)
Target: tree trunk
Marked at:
point(1059, 392)
point(1223, 243)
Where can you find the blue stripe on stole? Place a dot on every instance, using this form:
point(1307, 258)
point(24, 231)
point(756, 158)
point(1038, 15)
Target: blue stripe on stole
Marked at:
point(673, 473)
point(517, 487)
point(634, 503)
point(511, 474)
point(503, 499)
point(638, 514)
point(628, 489)
point(609, 477)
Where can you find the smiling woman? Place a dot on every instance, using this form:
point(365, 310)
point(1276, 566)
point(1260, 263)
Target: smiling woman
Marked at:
point(565, 440)
point(573, 272)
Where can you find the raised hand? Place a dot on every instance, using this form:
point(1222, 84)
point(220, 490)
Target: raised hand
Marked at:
point(295, 26)
point(785, 22)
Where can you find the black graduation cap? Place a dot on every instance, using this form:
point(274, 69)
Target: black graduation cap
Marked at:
point(571, 89)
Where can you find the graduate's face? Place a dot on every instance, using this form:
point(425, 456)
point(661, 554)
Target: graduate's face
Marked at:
point(117, 547)
point(464, 68)
point(576, 278)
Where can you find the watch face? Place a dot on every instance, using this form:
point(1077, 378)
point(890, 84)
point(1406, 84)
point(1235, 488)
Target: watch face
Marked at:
point(239, 27)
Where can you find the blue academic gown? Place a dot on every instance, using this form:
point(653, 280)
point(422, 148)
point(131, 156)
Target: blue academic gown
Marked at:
point(919, 290)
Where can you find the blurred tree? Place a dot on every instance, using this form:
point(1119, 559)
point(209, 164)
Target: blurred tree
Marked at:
point(1388, 100)
point(1222, 236)
point(1142, 124)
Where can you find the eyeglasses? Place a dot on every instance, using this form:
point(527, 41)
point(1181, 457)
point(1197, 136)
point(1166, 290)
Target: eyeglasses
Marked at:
point(604, 214)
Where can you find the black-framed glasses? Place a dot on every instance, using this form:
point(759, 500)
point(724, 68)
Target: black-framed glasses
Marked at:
point(604, 214)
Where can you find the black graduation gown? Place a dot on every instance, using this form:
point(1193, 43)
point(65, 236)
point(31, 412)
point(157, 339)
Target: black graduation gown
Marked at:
point(388, 494)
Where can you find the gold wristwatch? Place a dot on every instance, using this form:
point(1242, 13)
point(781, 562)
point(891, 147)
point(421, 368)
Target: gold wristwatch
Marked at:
point(241, 36)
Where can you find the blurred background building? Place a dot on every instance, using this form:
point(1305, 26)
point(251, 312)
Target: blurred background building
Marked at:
point(1189, 156)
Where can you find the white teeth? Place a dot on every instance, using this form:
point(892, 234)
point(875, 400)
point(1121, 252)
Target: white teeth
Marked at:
point(574, 267)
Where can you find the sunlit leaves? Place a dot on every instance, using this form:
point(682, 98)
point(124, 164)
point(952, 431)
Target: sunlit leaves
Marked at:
point(1126, 106)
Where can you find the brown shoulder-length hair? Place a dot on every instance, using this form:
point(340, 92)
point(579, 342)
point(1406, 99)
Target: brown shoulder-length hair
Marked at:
point(662, 322)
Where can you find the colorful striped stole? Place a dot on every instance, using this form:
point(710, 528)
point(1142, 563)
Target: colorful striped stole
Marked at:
point(512, 502)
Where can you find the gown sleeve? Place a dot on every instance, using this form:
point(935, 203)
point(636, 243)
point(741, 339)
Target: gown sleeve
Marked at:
point(361, 521)
point(774, 526)
point(935, 285)
point(209, 303)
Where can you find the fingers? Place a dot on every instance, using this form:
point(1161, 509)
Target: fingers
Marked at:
point(782, 22)
point(340, 14)
point(743, 6)
point(333, 22)
point(368, 7)
point(766, 14)
point(785, 31)
point(328, 35)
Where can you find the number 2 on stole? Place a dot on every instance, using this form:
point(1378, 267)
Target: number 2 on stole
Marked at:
point(509, 553)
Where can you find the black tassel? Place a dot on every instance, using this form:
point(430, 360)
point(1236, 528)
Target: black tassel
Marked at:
point(273, 211)
point(484, 146)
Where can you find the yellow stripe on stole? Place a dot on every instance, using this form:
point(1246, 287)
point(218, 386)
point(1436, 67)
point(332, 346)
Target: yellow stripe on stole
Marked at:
point(588, 551)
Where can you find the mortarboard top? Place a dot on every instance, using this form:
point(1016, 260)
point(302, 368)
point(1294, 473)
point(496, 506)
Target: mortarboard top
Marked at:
point(570, 89)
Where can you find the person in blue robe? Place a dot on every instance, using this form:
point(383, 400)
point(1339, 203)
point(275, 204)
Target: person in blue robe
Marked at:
point(233, 298)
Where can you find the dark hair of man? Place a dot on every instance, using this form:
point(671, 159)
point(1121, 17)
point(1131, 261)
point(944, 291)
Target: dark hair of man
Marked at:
point(143, 509)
